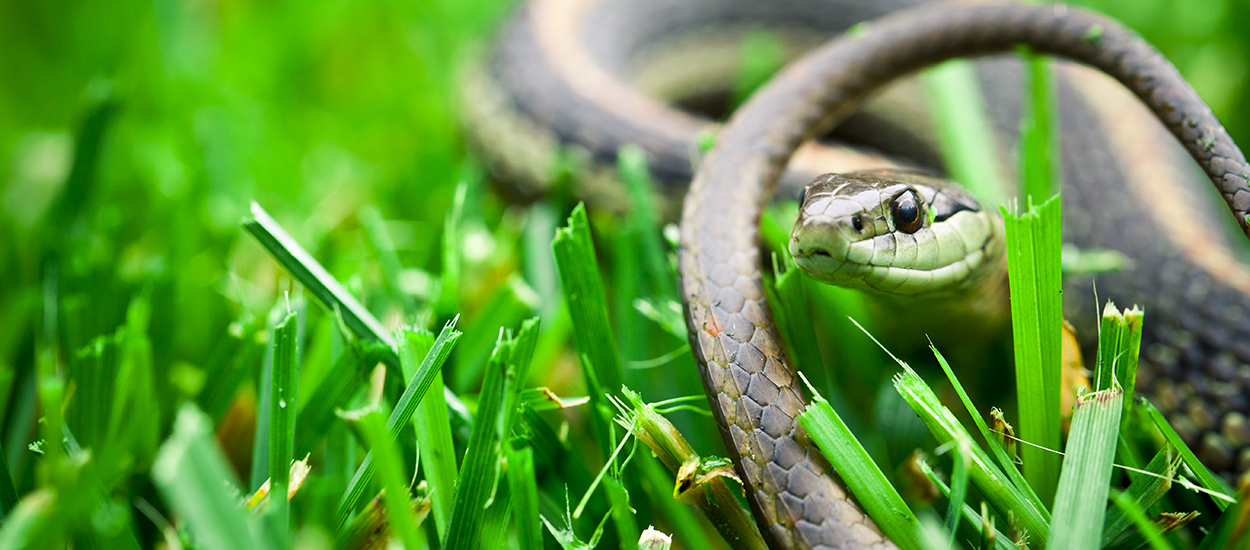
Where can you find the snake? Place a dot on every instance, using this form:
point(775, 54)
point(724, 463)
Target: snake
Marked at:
point(552, 86)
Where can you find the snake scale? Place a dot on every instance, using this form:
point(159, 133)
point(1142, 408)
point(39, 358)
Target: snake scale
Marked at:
point(567, 75)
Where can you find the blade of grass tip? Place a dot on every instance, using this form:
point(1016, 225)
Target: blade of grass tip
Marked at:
point(861, 475)
point(1119, 342)
point(394, 483)
point(288, 252)
point(282, 421)
point(1216, 487)
point(1033, 251)
point(1129, 507)
point(1005, 460)
point(415, 390)
point(968, 145)
point(491, 427)
point(193, 477)
point(432, 427)
point(525, 497)
point(1145, 490)
point(301, 265)
point(22, 528)
point(587, 303)
point(1081, 498)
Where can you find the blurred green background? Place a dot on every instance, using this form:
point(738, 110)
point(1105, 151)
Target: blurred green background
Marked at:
point(322, 111)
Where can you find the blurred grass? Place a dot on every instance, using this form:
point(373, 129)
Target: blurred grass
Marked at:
point(133, 136)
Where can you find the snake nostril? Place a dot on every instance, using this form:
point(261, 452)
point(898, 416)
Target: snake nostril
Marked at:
point(822, 253)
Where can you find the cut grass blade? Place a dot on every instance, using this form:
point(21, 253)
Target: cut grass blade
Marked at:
point(860, 473)
point(587, 302)
point(1119, 341)
point(505, 376)
point(315, 278)
point(193, 477)
point(394, 482)
point(1081, 498)
point(282, 420)
point(336, 299)
point(399, 417)
point(1033, 257)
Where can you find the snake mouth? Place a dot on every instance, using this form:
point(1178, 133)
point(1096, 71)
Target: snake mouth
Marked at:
point(858, 248)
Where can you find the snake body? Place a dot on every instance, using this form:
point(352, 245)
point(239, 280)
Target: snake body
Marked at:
point(1196, 292)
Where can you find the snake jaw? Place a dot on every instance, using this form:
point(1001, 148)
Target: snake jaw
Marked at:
point(846, 235)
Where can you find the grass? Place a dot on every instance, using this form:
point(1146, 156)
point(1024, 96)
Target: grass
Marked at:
point(147, 345)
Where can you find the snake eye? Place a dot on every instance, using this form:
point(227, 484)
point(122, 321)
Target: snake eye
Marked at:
point(802, 196)
point(906, 212)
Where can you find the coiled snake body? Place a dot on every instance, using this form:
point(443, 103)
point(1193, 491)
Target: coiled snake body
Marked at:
point(560, 77)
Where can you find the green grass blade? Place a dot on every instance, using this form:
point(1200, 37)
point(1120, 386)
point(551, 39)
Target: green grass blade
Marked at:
point(1005, 461)
point(315, 278)
point(1038, 132)
point(976, 522)
point(1144, 491)
point(1135, 513)
point(193, 477)
point(394, 483)
point(8, 493)
point(1206, 479)
point(438, 453)
point(1119, 341)
point(860, 473)
point(631, 162)
point(587, 303)
point(525, 497)
point(416, 389)
point(282, 406)
point(344, 380)
point(965, 132)
point(1033, 256)
point(505, 375)
point(1081, 499)
point(991, 481)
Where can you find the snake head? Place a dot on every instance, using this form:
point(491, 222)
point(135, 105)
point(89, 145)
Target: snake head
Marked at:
point(894, 232)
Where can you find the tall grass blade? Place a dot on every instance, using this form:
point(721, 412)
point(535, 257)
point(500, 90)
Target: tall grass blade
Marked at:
point(416, 389)
point(1081, 499)
point(282, 420)
point(505, 376)
point(860, 473)
point(1033, 254)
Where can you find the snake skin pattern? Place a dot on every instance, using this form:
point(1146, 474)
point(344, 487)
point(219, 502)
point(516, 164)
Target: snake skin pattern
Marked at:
point(749, 382)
